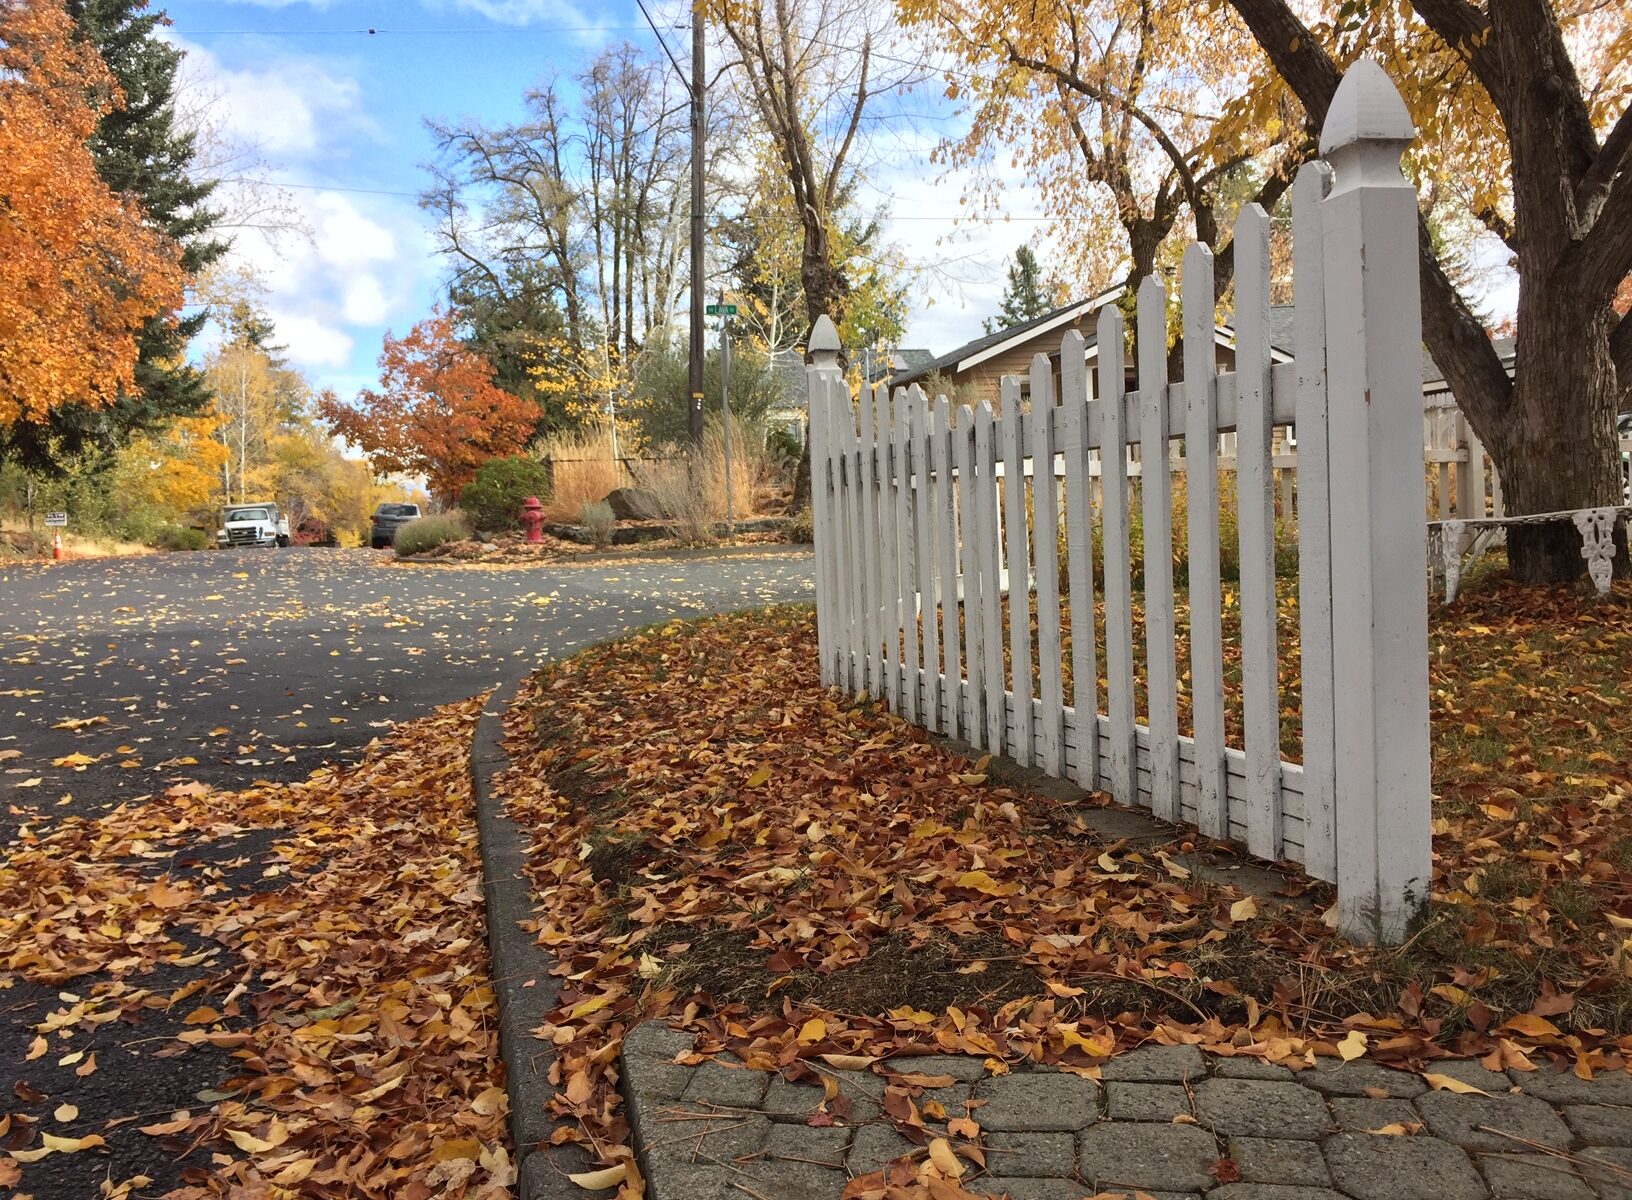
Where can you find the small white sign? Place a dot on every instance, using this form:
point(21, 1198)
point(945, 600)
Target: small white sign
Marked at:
point(59, 520)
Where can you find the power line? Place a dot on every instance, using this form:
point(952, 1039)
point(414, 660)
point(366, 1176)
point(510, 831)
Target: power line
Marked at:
point(377, 31)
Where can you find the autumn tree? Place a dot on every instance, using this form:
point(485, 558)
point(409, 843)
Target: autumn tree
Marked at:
point(436, 413)
point(1527, 103)
point(82, 271)
point(811, 71)
point(1134, 120)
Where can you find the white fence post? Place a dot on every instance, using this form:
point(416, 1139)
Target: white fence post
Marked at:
point(1379, 603)
point(823, 359)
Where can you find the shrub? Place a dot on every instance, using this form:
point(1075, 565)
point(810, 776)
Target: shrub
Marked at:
point(601, 522)
point(180, 537)
point(427, 533)
point(494, 498)
point(801, 527)
point(584, 471)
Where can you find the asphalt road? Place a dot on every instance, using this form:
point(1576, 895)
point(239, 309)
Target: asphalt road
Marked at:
point(231, 667)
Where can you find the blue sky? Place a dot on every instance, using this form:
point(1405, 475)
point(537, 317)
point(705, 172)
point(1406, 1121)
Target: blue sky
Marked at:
point(337, 117)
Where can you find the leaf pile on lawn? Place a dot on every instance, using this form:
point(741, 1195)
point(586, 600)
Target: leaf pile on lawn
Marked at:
point(804, 880)
point(348, 978)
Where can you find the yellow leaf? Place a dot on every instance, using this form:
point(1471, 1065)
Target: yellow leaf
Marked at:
point(64, 1145)
point(814, 1030)
point(1353, 1046)
point(1449, 1083)
point(593, 1181)
point(946, 1162)
point(593, 1004)
point(849, 1062)
point(248, 1142)
point(980, 881)
point(760, 777)
point(295, 1172)
point(65, 1113)
point(456, 1148)
point(75, 759)
point(1244, 909)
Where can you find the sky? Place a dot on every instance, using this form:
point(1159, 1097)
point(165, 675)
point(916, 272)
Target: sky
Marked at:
point(336, 117)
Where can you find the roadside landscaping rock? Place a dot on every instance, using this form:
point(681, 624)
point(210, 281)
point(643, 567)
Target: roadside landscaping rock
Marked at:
point(1038, 1101)
point(1148, 1156)
point(1258, 1108)
point(1053, 1135)
point(1478, 1122)
point(635, 504)
point(1378, 1167)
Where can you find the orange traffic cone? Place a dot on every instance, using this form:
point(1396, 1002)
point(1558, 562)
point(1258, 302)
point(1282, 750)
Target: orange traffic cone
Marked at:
point(56, 546)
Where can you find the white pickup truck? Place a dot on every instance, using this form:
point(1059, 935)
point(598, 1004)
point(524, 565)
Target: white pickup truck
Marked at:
point(257, 524)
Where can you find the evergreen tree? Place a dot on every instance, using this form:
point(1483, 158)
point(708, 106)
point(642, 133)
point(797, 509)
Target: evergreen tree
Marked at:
point(1027, 297)
point(140, 152)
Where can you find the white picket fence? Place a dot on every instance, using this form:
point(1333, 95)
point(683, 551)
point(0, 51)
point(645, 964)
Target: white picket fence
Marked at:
point(917, 521)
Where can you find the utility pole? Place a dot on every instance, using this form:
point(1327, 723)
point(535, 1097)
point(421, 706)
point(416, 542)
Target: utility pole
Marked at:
point(725, 408)
point(694, 415)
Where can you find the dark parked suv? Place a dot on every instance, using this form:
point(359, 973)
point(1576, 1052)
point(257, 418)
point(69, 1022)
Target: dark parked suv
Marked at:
point(387, 519)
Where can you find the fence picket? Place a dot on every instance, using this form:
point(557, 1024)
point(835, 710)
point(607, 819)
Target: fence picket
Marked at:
point(1113, 457)
point(1045, 513)
point(1080, 557)
point(923, 556)
point(1255, 497)
point(1015, 537)
point(991, 578)
point(971, 565)
point(943, 492)
point(1314, 524)
point(1206, 589)
point(1156, 492)
point(889, 553)
point(906, 618)
point(820, 493)
point(872, 573)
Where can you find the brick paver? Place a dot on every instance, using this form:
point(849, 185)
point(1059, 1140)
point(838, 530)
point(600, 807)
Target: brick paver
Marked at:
point(1164, 1121)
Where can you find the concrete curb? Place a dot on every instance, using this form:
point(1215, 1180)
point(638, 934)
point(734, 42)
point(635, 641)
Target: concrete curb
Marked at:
point(522, 982)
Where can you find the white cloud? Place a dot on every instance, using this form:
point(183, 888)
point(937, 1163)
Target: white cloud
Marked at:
point(365, 261)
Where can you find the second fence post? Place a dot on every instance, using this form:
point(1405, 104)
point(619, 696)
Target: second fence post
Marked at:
point(1378, 497)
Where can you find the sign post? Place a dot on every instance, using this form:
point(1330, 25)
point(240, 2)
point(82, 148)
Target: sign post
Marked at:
point(725, 312)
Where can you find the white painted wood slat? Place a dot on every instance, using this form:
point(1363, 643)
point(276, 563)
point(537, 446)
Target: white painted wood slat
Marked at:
point(1080, 556)
point(1045, 514)
point(973, 719)
point(1255, 494)
point(872, 573)
point(991, 596)
point(924, 554)
point(1314, 524)
point(943, 491)
point(1019, 558)
point(906, 599)
point(1206, 589)
point(889, 554)
point(1161, 648)
point(1118, 581)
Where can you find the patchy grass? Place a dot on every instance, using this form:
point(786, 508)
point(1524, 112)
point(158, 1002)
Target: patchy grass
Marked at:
point(795, 874)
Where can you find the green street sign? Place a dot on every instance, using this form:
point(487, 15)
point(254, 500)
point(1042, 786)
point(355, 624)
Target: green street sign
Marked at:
point(720, 310)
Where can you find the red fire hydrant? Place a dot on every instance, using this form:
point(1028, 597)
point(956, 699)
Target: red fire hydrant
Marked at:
point(532, 518)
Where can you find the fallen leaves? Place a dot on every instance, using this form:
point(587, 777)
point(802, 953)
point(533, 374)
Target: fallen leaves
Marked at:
point(695, 791)
point(366, 1061)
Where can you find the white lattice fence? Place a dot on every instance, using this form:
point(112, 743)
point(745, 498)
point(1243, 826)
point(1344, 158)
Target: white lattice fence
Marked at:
point(936, 532)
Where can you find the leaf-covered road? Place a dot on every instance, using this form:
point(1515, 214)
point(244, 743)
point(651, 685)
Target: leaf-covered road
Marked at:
point(123, 684)
point(232, 667)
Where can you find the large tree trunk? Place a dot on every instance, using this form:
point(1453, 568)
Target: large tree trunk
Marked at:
point(1555, 448)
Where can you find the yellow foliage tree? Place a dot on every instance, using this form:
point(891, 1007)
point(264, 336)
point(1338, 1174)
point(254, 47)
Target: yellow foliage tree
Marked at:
point(175, 472)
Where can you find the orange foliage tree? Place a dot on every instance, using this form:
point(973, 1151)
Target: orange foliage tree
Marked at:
point(81, 270)
point(437, 413)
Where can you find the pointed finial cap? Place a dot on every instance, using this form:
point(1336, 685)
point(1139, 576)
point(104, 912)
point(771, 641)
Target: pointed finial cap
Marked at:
point(1366, 108)
point(824, 341)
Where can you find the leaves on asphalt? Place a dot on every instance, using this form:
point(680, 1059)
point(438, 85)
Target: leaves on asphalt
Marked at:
point(344, 968)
